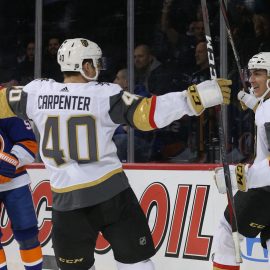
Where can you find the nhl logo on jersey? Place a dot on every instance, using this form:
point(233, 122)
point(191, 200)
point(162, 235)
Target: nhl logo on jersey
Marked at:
point(84, 42)
point(142, 241)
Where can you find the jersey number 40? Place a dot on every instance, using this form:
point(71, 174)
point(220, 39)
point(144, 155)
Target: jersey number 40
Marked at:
point(51, 141)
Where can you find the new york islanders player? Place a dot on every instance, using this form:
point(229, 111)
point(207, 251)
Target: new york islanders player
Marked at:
point(76, 120)
point(17, 149)
point(251, 206)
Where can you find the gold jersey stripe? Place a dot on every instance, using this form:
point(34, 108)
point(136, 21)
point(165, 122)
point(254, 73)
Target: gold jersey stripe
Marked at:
point(88, 184)
point(5, 108)
point(141, 115)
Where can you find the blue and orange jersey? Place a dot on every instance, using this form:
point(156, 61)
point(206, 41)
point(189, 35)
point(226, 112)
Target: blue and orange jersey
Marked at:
point(17, 137)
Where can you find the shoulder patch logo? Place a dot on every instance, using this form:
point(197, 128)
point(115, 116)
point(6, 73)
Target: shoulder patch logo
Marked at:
point(129, 98)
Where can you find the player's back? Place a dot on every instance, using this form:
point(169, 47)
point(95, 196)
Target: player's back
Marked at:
point(76, 139)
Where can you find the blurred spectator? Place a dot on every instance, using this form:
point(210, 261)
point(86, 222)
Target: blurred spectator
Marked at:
point(121, 78)
point(24, 72)
point(243, 33)
point(142, 140)
point(8, 64)
point(145, 64)
point(201, 58)
point(50, 67)
point(150, 72)
point(180, 141)
point(198, 31)
point(171, 44)
point(262, 31)
point(205, 126)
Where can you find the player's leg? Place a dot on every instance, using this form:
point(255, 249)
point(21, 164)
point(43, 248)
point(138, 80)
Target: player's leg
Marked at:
point(129, 235)
point(21, 211)
point(268, 249)
point(3, 261)
point(265, 240)
point(74, 240)
point(223, 247)
point(251, 220)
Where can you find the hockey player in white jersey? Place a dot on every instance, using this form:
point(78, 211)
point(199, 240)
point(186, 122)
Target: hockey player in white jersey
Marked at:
point(253, 200)
point(76, 120)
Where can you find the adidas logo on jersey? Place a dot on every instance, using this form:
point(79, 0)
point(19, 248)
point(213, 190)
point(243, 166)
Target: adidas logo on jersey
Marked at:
point(65, 89)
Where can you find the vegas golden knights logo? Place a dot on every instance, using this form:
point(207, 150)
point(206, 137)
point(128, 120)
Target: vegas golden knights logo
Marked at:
point(84, 42)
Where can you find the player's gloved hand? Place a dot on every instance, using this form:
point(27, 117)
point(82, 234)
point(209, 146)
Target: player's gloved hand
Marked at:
point(247, 101)
point(8, 164)
point(208, 94)
point(238, 178)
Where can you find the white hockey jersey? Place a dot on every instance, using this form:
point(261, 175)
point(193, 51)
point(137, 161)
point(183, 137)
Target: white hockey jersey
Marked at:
point(76, 122)
point(259, 172)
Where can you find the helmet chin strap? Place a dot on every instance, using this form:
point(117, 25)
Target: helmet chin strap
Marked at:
point(91, 78)
point(266, 92)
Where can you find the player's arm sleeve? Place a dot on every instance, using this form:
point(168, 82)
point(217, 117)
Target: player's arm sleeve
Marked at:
point(149, 113)
point(258, 174)
point(25, 151)
point(121, 109)
point(21, 134)
point(13, 102)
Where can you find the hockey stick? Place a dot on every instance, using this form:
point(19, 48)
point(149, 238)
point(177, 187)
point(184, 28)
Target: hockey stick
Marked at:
point(236, 56)
point(213, 73)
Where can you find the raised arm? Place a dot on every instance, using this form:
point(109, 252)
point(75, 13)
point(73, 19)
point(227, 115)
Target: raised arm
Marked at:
point(159, 111)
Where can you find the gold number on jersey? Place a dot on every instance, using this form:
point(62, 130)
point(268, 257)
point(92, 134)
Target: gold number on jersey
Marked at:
point(52, 135)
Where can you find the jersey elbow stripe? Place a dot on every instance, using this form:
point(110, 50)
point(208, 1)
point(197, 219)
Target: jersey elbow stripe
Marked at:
point(143, 117)
point(30, 146)
point(5, 108)
point(152, 112)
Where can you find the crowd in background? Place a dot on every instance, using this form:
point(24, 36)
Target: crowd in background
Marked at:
point(170, 54)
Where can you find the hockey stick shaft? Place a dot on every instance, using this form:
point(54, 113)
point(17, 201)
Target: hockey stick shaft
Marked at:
point(236, 55)
point(213, 74)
